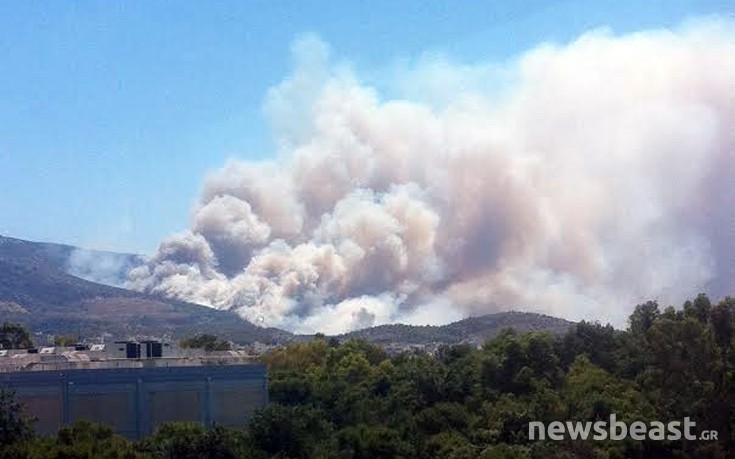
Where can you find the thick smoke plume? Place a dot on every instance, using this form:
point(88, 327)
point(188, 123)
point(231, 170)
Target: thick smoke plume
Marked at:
point(575, 180)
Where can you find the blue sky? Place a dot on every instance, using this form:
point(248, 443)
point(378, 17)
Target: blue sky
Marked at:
point(111, 113)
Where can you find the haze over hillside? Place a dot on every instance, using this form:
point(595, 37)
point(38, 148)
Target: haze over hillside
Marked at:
point(36, 290)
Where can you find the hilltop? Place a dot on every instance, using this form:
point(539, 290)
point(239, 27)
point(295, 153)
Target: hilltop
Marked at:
point(473, 330)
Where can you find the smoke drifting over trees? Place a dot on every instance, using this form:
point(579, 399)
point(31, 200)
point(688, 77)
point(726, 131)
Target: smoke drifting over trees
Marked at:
point(587, 178)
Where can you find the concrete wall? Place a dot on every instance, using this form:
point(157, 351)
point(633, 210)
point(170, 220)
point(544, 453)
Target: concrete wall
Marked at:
point(135, 401)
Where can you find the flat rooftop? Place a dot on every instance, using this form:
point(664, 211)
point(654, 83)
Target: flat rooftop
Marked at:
point(110, 356)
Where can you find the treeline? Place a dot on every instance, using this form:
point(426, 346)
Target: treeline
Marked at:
point(352, 401)
point(205, 341)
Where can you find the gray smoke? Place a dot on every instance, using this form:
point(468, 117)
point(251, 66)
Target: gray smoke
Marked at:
point(586, 178)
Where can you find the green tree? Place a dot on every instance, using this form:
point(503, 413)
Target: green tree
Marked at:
point(643, 317)
point(373, 442)
point(15, 426)
point(189, 440)
point(698, 309)
point(205, 341)
point(294, 432)
point(722, 317)
point(14, 336)
point(600, 343)
point(65, 339)
point(89, 440)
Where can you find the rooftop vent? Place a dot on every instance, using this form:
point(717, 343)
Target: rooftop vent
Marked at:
point(153, 349)
point(132, 350)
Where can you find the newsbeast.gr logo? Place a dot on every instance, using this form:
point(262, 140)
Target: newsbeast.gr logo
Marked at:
point(618, 430)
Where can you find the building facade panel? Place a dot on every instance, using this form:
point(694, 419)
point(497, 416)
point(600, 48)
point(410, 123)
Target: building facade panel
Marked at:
point(135, 401)
point(233, 404)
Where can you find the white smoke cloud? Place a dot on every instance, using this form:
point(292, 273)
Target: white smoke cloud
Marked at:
point(102, 267)
point(587, 178)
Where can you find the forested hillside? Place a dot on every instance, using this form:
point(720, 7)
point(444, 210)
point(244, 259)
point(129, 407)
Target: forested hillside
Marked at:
point(351, 400)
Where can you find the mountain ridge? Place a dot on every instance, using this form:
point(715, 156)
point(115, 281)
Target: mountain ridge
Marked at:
point(37, 290)
point(473, 330)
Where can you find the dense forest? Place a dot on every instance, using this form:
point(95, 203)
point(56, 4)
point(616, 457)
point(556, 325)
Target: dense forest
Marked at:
point(351, 400)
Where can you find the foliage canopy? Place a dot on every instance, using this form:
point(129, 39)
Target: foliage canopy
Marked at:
point(353, 401)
